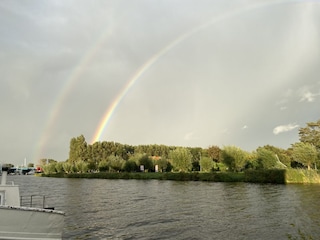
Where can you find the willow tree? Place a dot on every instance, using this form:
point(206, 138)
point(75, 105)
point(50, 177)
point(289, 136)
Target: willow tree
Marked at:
point(206, 164)
point(234, 157)
point(181, 159)
point(305, 153)
point(266, 158)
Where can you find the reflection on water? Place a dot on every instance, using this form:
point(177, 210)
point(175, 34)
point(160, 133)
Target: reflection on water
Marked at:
point(138, 209)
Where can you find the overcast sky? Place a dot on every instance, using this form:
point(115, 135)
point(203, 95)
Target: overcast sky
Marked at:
point(202, 72)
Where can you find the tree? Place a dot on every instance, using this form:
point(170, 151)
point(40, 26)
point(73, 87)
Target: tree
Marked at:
point(30, 165)
point(311, 134)
point(206, 164)
point(130, 166)
point(181, 159)
point(196, 154)
point(103, 166)
point(116, 163)
point(81, 166)
point(305, 153)
point(266, 158)
point(146, 162)
point(49, 168)
point(59, 167)
point(67, 167)
point(45, 161)
point(282, 155)
point(234, 158)
point(214, 153)
point(78, 149)
point(163, 164)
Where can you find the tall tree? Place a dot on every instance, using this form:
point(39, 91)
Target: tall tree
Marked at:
point(78, 149)
point(305, 153)
point(311, 134)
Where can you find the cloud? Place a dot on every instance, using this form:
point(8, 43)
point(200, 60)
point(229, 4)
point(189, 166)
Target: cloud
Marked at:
point(189, 136)
point(245, 127)
point(284, 128)
point(308, 96)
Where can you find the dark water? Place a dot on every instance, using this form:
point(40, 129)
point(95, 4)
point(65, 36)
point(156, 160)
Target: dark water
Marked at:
point(138, 209)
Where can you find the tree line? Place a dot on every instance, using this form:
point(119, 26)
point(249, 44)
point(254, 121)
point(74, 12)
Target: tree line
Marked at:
point(116, 157)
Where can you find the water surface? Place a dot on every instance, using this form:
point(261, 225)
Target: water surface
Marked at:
point(153, 209)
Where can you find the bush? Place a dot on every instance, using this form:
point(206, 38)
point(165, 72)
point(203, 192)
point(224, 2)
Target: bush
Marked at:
point(130, 166)
point(265, 176)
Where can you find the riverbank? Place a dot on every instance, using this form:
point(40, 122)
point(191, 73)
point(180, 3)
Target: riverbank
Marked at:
point(275, 176)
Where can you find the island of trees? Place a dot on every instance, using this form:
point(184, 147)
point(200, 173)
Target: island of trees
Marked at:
point(110, 157)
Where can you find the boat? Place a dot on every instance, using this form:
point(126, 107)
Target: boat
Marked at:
point(26, 222)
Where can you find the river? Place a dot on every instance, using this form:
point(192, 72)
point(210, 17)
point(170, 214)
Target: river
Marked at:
point(153, 209)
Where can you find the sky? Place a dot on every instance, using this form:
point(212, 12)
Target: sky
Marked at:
point(191, 73)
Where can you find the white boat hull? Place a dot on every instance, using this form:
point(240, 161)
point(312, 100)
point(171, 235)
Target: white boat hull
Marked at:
point(30, 223)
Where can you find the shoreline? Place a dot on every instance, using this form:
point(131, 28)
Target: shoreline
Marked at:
point(273, 176)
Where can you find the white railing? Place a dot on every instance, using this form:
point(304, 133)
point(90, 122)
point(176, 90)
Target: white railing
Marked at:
point(37, 201)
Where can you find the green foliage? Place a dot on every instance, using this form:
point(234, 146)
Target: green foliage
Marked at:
point(113, 156)
point(252, 161)
point(103, 166)
point(311, 134)
point(266, 176)
point(7, 165)
point(81, 167)
point(136, 158)
point(130, 166)
point(67, 167)
point(59, 167)
point(78, 149)
point(115, 163)
point(49, 168)
point(277, 176)
point(164, 165)
point(146, 162)
point(282, 155)
point(196, 153)
point(181, 159)
point(153, 150)
point(45, 161)
point(302, 176)
point(234, 158)
point(214, 153)
point(305, 153)
point(206, 164)
point(92, 165)
point(266, 159)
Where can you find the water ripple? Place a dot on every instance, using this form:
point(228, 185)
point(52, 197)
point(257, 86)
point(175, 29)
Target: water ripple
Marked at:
point(138, 209)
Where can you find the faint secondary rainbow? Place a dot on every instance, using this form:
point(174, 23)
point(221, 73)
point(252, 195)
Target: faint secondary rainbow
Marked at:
point(66, 89)
point(145, 67)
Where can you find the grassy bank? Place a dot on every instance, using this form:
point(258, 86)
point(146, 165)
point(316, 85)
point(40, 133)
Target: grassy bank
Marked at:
point(302, 176)
point(193, 176)
point(276, 176)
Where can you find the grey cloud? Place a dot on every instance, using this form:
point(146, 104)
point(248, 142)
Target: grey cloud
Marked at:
point(234, 65)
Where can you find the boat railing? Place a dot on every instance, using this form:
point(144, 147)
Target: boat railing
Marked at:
point(38, 201)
